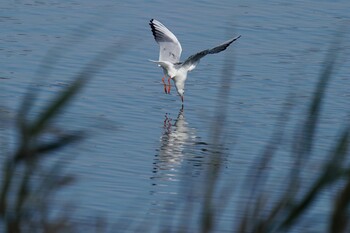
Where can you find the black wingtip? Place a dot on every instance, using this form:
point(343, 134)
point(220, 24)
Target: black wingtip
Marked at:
point(236, 38)
point(153, 29)
point(233, 40)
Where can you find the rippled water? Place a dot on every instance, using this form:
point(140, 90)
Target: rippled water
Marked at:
point(142, 144)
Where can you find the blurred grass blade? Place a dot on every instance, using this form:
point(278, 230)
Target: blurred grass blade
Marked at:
point(8, 170)
point(100, 61)
point(331, 173)
point(44, 148)
point(340, 217)
point(57, 105)
point(306, 139)
point(62, 141)
point(78, 35)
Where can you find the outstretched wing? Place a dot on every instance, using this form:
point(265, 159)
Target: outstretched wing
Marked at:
point(170, 47)
point(193, 60)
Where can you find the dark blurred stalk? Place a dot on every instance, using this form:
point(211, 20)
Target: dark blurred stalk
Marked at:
point(304, 141)
point(265, 214)
point(20, 200)
point(217, 148)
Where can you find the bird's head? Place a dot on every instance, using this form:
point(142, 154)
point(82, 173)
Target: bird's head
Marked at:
point(179, 82)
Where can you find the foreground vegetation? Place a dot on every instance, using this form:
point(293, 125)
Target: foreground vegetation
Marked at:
point(28, 185)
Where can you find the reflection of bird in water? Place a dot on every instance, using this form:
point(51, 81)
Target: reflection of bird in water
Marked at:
point(173, 142)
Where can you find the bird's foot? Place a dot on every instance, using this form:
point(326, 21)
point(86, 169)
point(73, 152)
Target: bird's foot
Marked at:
point(165, 87)
point(169, 86)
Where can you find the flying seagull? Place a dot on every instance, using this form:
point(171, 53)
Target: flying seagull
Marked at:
point(169, 56)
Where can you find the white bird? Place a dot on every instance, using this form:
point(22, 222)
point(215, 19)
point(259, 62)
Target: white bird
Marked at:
point(169, 56)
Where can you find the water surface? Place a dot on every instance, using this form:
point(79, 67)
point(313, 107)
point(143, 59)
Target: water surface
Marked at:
point(142, 145)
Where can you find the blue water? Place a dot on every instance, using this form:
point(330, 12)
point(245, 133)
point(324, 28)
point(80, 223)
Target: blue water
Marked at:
point(141, 145)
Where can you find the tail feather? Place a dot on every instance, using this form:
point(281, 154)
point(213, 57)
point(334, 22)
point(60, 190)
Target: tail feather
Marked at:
point(154, 61)
point(166, 65)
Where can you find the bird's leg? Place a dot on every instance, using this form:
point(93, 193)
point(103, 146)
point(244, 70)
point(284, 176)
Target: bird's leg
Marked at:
point(164, 85)
point(169, 87)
